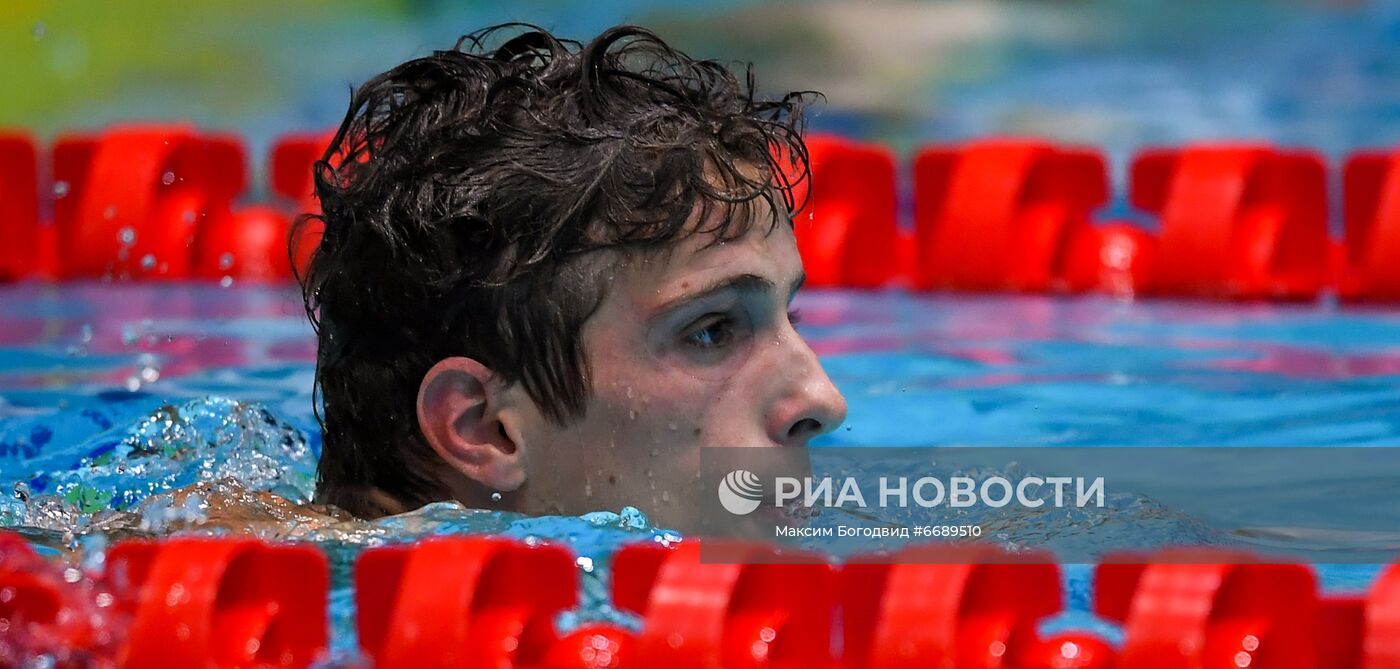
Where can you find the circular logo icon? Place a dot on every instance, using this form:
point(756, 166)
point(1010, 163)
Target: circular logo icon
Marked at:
point(740, 492)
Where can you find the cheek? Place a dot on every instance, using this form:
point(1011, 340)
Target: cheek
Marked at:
point(655, 402)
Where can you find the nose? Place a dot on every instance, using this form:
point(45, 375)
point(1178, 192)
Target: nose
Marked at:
point(809, 404)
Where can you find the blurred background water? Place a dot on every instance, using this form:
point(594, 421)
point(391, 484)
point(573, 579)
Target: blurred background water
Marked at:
point(1114, 73)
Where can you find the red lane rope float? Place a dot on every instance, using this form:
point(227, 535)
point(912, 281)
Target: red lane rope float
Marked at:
point(136, 197)
point(20, 248)
point(745, 606)
point(1114, 258)
point(292, 160)
point(221, 603)
point(847, 230)
point(291, 171)
point(1195, 608)
point(249, 245)
point(44, 613)
point(596, 646)
point(1371, 262)
point(1368, 627)
point(462, 602)
point(1237, 221)
point(1001, 215)
point(955, 607)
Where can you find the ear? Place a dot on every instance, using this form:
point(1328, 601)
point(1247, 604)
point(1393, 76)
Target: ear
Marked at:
point(458, 405)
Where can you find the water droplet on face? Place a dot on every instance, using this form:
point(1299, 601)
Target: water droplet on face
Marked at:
point(495, 497)
point(226, 281)
point(127, 235)
point(148, 261)
point(671, 426)
point(167, 178)
point(60, 189)
point(225, 261)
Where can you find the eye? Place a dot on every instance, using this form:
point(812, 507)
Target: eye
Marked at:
point(710, 332)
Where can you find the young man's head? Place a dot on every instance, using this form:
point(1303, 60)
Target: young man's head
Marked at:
point(555, 271)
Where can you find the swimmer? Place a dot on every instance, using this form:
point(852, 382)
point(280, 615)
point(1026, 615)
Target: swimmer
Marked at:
point(551, 273)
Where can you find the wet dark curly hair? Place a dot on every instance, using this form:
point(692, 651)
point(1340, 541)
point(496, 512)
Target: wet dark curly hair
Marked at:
point(462, 194)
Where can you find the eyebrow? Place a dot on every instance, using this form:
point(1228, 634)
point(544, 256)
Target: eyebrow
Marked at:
point(742, 283)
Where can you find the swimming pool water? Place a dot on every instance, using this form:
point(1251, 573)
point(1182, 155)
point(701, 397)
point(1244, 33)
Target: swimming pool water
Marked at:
point(113, 395)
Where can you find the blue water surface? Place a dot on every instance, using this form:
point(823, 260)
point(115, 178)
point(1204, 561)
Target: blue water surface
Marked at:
point(113, 395)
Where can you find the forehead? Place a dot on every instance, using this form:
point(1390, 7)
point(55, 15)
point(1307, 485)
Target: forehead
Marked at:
point(767, 248)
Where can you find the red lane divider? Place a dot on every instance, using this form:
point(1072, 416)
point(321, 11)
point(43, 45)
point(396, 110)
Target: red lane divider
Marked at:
point(761, 608)
point(951, 607)
point(45, 614)
point(1236, 613)
point(1114, 258)
point(491, 602)
point(249, 244)
point(847, 230)
point(293, 162)
point(1370, 264)
point(136, 197)
point(220, 603)
point(462, 602)
point(293, 158)
point(1001, 215)
point(1236, 221)
point(20, 246)
point(1380, 647)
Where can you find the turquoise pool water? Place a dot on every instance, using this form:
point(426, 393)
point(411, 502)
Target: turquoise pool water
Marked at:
point(111, 396)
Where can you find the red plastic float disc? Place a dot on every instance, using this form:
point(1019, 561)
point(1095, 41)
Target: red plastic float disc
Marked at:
point(221, 603)
point(945, 606)
point(1180, 612)
point(19, 208)
point(248, 245)
point(462, 601)
point(759, 608)
point(1001, 214)
point(1370, 267)
point(1245, 221)
point(847, 231)
point(592, 647)
point(116, 218)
